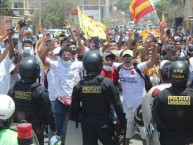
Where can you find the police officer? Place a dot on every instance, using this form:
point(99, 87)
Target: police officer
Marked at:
point(173, 107)
point(91, 100)
point(31, 99)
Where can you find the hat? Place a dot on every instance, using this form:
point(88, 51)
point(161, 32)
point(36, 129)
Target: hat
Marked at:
point(127, 52)
point(108, 54)
point(163, 62)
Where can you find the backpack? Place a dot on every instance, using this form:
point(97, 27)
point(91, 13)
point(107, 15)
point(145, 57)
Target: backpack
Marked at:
point(146, 78)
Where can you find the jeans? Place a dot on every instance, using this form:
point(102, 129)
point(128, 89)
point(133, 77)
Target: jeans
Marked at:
point(50, 134)
point(62, 116)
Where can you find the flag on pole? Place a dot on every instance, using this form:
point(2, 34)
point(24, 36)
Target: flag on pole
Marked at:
point(140, 8)
point(163, 23)
point(90, 27)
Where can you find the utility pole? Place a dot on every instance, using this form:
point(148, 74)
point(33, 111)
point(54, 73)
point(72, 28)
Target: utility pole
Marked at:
point(99, 10)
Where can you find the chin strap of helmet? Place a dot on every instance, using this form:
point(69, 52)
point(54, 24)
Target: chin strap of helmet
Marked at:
point(5, 124)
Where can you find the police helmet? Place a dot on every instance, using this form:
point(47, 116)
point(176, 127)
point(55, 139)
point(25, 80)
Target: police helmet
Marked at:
point(7, 108)
point(93, 62)
point(138, 116)
point(29, 69)
point(178, 72)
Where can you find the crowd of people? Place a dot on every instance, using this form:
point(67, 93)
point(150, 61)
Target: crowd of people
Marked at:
point(53, 78)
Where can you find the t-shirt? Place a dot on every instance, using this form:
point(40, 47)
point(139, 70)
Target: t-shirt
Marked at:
point(66, 77)
point(133, 86)
point(113, 75)
point(4, 75)
point(51, 85)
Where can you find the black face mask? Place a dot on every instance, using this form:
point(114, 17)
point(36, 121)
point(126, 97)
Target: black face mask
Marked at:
point(74, 52)
point(80, 57)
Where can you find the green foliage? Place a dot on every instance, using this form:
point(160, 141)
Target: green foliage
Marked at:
point(170, 9)
point(54, 13)
point(5, 7)
point(123, 5)
point(107, 22)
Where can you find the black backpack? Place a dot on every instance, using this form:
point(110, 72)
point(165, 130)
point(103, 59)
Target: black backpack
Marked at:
point(146, 78)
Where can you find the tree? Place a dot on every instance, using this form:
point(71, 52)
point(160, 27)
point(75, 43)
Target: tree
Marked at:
point(171, 9)
point(54, 13)
point(5, 7)
point(123, 6)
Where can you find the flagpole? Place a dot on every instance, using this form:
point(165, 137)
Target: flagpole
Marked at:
point(99, 10)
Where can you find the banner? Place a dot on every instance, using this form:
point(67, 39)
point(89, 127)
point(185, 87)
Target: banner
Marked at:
point(90, 27)
point(140, 8)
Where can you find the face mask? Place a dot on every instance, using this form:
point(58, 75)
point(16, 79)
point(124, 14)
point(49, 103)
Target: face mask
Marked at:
point(74, 52)
point(183, 47)
point(80, 57)
point(66, 63)
point(58, 58)
point(107, 68)
point(28, 50)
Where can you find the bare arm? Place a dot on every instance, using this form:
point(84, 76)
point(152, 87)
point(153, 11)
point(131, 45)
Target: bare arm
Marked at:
point(11, 48)
point(120, 40)
point(154, 55)
point(80, 45)
point(68, 26)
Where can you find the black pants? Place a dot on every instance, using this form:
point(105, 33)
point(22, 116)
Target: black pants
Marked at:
point(39, 131)
point(92, 133)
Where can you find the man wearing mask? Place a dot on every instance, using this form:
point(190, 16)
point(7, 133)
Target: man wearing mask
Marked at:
point(66, 74)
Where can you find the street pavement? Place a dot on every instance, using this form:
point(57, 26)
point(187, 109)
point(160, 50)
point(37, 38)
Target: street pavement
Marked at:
point(74, 136)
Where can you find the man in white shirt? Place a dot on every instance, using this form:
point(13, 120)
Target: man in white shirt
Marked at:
point(133, 88)
point(5, 65)
point(66, 74)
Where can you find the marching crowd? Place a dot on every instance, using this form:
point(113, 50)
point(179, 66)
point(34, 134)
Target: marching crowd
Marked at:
point(40, 76)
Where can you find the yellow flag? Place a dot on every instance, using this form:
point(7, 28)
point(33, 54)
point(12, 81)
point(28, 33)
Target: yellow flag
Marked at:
point(90, 27)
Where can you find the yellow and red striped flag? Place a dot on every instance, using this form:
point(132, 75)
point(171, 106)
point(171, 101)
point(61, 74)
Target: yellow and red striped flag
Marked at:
point(140, 8)
point(163, 23)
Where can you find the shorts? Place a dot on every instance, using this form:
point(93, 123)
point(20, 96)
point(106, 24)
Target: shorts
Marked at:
point(130, 123)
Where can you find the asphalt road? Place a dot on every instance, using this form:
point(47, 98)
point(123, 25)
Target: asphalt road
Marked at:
point(74, 136)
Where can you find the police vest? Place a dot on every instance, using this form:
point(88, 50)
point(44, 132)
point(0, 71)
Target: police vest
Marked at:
point(177, 110)
point(27, 102)
point(93, 95)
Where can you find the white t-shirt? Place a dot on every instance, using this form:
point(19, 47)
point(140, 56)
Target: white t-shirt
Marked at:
point(66, 77)
point(51, 85)
point(133, 86)
point(4, 75)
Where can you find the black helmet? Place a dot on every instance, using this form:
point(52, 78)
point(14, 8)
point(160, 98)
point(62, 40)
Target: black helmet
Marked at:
point(178, 73)
point(29, 69)
point(93, 62)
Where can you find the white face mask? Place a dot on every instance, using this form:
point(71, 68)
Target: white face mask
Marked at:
point(28, 50)
point(66, 63)
point(107, 68)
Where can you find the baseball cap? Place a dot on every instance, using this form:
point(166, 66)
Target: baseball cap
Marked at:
point(127, 52)
point(108, 54)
